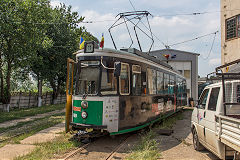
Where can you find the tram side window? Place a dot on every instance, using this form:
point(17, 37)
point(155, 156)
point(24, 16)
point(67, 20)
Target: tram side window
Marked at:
point(179, 86)
point(160, 85)
point(136, 78)
point(108, 81)
point(124, 79)
point(166, 82)
point(171, 85)
point(152, 81)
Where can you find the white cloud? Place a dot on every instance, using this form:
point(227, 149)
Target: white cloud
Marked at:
point(55, 3)
point(215, 61)
point(169, 29)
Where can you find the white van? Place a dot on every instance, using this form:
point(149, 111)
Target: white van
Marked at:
point(215, 120)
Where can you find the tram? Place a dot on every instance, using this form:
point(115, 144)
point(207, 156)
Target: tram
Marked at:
point(120, 91)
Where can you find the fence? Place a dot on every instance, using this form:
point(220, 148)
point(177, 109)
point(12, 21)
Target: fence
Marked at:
point(30, 99)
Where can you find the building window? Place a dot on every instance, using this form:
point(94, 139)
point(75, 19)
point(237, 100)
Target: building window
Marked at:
point(124, 79)
point(233, 27)
point(187, 74)
point(136, 78)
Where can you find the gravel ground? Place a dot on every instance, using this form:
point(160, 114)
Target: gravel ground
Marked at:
point(179, 145)
point(176, 146)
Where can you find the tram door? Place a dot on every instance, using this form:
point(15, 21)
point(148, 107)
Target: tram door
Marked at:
point(144, 82)
point(69, 92)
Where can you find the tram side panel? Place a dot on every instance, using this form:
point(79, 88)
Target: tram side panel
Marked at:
point(138, 110)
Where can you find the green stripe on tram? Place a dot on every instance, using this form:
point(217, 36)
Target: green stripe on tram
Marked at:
point(144, 125)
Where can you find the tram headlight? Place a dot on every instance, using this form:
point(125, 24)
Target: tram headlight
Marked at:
point(84, 115)
point(84, 104)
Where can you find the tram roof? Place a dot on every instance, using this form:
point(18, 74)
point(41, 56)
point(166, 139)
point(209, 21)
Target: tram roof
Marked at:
point(127, 52)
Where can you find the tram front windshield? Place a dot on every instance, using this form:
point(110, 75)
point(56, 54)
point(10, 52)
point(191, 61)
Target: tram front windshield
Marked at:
point(88, 81)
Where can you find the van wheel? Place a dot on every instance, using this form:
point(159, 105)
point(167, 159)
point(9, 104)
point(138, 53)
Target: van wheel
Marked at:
point(196, 144)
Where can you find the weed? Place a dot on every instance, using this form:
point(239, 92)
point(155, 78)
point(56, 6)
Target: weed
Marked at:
point(169, 122)
point(50, 150)
point(146, 149)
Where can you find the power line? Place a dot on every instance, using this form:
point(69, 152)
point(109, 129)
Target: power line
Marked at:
point(199, 37)
point(154, 35)
point(211, 47)
point(132, 5)
point(100, 21)
point(57, 23)
point(147, 27)
point(194, 13)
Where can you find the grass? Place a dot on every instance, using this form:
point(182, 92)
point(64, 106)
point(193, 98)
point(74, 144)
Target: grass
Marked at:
point(20, 113)
point(169, 122)
point(32, 128)
point(50, 150)
point(147, 148)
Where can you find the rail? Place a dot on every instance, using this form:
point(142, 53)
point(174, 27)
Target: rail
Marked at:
point(228, 131)
point(109, 156)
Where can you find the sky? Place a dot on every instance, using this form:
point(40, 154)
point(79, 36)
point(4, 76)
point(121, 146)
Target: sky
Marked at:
point(167, 24)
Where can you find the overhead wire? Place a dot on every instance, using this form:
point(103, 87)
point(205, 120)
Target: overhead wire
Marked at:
point(193, 39)
point(147, 27)
point(100, 21)
point(210, 51)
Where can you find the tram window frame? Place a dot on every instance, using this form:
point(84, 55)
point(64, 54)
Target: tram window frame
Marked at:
point(137, 82)
point(171, 83)
point(114, 80)
point(153, 89)
point(166, 76)
point(160, 82)
point(89, 64)
point(120, 90)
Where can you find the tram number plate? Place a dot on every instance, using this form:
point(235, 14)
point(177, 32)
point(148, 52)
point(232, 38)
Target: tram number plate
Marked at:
point(89, 129)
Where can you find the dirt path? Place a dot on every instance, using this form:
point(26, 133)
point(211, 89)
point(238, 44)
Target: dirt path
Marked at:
point(12, 151)
point(179, 145)
point(30, 118)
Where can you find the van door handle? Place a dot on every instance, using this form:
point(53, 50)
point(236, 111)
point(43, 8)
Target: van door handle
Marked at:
point(204, 114)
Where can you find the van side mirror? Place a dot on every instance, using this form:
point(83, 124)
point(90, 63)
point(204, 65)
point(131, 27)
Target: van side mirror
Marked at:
point(117, 70)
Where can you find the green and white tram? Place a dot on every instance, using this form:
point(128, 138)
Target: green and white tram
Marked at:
point(117, 92)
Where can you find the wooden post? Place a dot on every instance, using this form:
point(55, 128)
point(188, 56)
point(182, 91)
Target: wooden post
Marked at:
point(29, 99)
point(19, 99)
point(46, 98)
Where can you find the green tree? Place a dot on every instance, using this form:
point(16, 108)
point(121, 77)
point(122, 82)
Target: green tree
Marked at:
point(20, 37)
point(65, 36)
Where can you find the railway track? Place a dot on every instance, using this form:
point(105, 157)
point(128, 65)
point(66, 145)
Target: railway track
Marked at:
point(85, 151)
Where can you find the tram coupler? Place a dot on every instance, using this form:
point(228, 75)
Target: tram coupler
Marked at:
point(86, 136)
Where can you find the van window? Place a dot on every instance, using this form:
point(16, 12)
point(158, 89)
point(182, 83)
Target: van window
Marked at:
point(213, 99)
point(203, 99)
